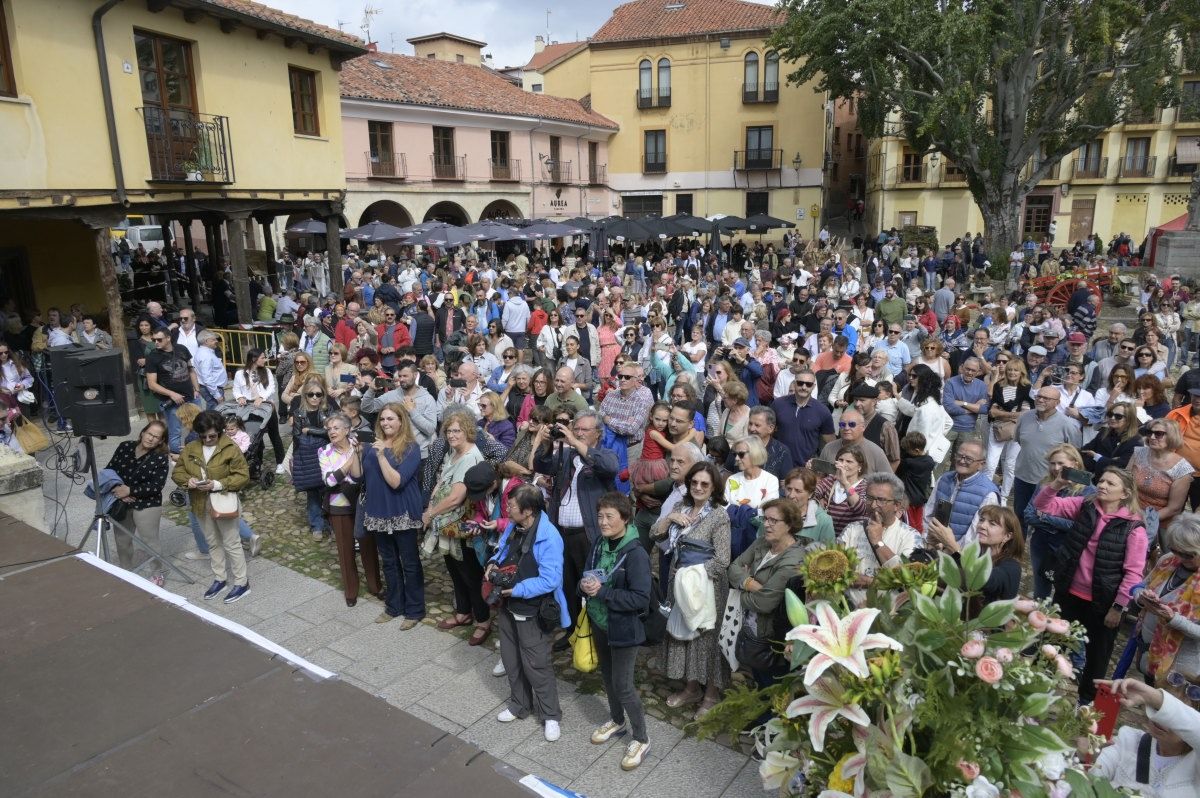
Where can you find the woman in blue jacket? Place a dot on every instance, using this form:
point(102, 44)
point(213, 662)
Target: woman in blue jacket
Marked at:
point(526, 571)
point(617, 586)
point(392, 513)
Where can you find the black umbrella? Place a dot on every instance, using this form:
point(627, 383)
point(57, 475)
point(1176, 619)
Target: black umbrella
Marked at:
point(761, 221)
point(544, 229)
point(308, 227)
point(443, 235)
point(694, 226)
point(582, 221)
point(375, 231)
point(628, 229)
point(493, 230)
point(730, 224)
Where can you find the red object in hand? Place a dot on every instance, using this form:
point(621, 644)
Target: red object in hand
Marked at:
point(1109, 706)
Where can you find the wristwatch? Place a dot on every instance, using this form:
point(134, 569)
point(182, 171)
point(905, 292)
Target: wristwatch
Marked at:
point(878, 544)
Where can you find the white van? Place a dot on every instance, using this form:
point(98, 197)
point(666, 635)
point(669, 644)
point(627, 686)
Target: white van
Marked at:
point(148, 235)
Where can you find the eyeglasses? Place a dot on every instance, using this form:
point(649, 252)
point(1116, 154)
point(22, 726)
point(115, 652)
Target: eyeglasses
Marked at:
point(1145, 354)
point(626, 377)
point(158, 339)
point(1191, 690)
point(878, 499)
point(772, 521)
point(700, 483)
point(893, 332)
point(1157, 433)
point(929, 349)
point(3, 351)
point(806, 383)
point(510, 357)
point(1117, 416)
point(314, 393)
point(742, 453)
point(847, 424)
point(967, 459)
point(1127, 348)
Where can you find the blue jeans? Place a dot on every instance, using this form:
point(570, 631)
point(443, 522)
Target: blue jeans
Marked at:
point(315, 505)
point(174, 431)
point(404, 589)
point(930, 281)
point(244, 531)
point(1023, 493)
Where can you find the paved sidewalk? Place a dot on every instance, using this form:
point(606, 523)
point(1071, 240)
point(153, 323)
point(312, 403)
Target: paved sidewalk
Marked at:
point(437, 677)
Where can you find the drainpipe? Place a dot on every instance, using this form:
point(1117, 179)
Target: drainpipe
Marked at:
point(110, 116)
point(533, 164)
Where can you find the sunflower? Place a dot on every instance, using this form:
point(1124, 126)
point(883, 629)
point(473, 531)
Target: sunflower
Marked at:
point(829, 571)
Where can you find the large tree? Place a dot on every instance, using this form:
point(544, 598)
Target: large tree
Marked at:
point(1004, 88)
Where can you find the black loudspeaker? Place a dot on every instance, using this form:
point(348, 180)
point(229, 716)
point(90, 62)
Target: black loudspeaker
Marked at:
point(89, 386)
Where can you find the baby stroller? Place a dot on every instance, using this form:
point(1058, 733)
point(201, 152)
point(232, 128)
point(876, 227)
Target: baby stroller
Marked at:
point(255, 418)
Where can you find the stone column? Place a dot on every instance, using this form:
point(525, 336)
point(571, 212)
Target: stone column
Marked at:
point(236, 229)
point(333, 241)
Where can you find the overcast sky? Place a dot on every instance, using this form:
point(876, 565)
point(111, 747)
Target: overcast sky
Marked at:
point(508, 26)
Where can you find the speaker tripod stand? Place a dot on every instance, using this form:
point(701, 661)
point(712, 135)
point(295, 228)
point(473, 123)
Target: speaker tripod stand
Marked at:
point(102, 521)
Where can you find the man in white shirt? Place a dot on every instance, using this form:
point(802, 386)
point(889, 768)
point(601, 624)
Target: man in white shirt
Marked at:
point(287, 304)
point(798, 363)
point(883, 540)
point(186, 334)
point(210, 371)
point(468, 394)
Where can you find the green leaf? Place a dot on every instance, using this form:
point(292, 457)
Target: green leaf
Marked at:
point(925, 607)
point(994, 615)
point(978, 567)
point(1038, 704)
point(951, 604)
point(879, 755)
point(1042, 739)
point(1103, 788)
point(948, 571)
point(908, 777)
point(1025, 773)
point(801, 654)
point(1081, 785)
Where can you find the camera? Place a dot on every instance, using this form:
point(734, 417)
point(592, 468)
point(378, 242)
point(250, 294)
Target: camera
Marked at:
point(381, 384)
point(456, 382)
point(1054, 375)
point(556, 434)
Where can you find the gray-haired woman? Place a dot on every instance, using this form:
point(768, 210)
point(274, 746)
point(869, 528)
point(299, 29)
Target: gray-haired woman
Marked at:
point(1170, 602)
point(517, 388)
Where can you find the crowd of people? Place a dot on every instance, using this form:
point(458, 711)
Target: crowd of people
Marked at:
point(656, 444)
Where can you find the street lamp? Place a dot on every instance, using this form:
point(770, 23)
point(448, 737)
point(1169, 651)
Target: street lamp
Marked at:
point(796, 162)
point(1064, 189)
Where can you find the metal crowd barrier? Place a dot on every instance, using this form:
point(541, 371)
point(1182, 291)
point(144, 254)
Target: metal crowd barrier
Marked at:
point(236, 342)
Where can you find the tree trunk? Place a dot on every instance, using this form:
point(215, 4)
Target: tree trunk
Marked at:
point(1001, 227)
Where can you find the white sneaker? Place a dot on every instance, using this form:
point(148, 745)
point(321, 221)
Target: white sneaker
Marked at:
point(499, 669)
point(255, 544)
point(279, 469)
point(634, 755)
point(553, 732)
point(194, 555)
point(506, 716)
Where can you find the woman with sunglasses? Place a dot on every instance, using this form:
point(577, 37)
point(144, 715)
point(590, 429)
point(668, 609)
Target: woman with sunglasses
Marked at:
point(1116, 441)
point(921, 401)
point(302, 369)
point(698, 518)
point(1170, 602)
point(493, 418)
point(1162, 475)
point(341, 373)
point(1119, 388)
point(934, 357)
point(751, 486)
point(499, 378)
point(550, 341)
point(310, 409)
point(1146, 362)
point(211, 463)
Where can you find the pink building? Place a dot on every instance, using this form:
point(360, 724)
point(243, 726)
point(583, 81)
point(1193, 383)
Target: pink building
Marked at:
point(432, 136)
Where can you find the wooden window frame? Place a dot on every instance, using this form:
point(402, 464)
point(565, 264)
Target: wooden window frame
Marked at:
point(8, 72)
point(307, 79)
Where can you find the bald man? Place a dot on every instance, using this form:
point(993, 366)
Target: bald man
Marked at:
point(1038, 431)
point(565, 394)
point(851, 428)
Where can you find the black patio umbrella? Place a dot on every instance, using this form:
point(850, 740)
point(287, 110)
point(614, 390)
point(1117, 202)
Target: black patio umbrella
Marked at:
point(495, 231)
point(730, 224)
point(582, 221)
point(441, 234)
point(308, 227)
point(688, 225)
point(375, 231)
point(545, 229)
point(761, 221)
point(628, 229)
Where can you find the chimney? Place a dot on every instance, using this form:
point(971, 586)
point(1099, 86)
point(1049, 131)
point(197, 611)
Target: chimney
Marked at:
point(372, 47)
point(539, 44)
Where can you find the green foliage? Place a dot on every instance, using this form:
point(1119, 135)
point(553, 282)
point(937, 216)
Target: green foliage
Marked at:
point(991, 85)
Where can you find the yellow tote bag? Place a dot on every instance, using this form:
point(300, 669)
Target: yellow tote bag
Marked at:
point(583, 645)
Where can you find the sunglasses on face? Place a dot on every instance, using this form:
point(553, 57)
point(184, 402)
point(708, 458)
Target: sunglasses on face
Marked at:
point(1126, 348)
point(701, 483)
point(311, 394)
point(847, 425)
point(806, 384)
point(1157, 433)
point(1177, 679)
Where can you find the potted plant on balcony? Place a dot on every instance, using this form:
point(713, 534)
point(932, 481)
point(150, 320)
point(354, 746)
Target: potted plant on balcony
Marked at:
point(199, 166)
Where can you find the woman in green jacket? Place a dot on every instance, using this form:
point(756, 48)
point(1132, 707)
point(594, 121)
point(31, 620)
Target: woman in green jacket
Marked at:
point(214, 463)
point(762, 572)
point(816, 527)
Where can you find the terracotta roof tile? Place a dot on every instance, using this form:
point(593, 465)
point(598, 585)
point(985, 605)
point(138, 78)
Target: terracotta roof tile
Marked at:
point(268, 14)
point(654, 19)
point(449, 84)
point(553, 52)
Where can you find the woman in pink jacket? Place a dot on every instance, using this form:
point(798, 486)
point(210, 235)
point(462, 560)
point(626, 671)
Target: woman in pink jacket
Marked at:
point(1101, 558)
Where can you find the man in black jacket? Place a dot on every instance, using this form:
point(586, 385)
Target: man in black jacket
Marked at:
point(582, 472)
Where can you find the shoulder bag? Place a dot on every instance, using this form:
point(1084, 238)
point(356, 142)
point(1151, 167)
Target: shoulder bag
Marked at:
point(224, 504)
point(29, 435)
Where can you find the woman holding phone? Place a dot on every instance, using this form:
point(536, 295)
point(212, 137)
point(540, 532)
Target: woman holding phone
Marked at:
point(341, 471)
point(1046, 532)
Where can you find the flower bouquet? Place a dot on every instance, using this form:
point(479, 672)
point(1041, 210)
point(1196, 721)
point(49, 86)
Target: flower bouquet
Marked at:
point(913, 694)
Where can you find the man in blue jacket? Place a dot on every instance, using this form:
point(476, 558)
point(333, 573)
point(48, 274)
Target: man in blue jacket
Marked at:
point(532, 546)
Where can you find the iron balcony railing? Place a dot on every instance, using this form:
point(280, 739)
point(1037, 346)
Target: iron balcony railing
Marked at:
point(505, 169)
point(757, 160)
point(452, 168)
point(664, 97)
point(1138, 166)
point(1091, 168)
point(652, 164)
point(387, 164)
point(1188, 111)
point(751, 93)
point(914, 173)
point(186, 146)
point(647, 98)
point(953, 175)
point(559, 172)
point(1176, 169)
point(597, 174)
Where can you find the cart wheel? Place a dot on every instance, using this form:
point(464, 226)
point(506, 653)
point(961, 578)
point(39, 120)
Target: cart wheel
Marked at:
point(1061, 293)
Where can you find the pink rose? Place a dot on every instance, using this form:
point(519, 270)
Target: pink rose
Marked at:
point(1064, 666)
point(969, 770)
point(1004, 655)
point(1025, 606)
point(989, 670)
point(1058, 626)
point(1038, 620)
point(972, 649)
point(1049, 651)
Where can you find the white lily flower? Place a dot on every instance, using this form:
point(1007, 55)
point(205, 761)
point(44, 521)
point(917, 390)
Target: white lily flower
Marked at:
point(824, 702)
point(840, 641)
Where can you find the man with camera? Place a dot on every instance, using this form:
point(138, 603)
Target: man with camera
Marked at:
point(525, 578)
point(463, 387)
point(421, 406)
point(582, 472)
point(1038, 431)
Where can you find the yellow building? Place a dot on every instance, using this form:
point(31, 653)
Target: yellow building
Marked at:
point(221, 111)
point(707, 121)
point(1133, 177)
